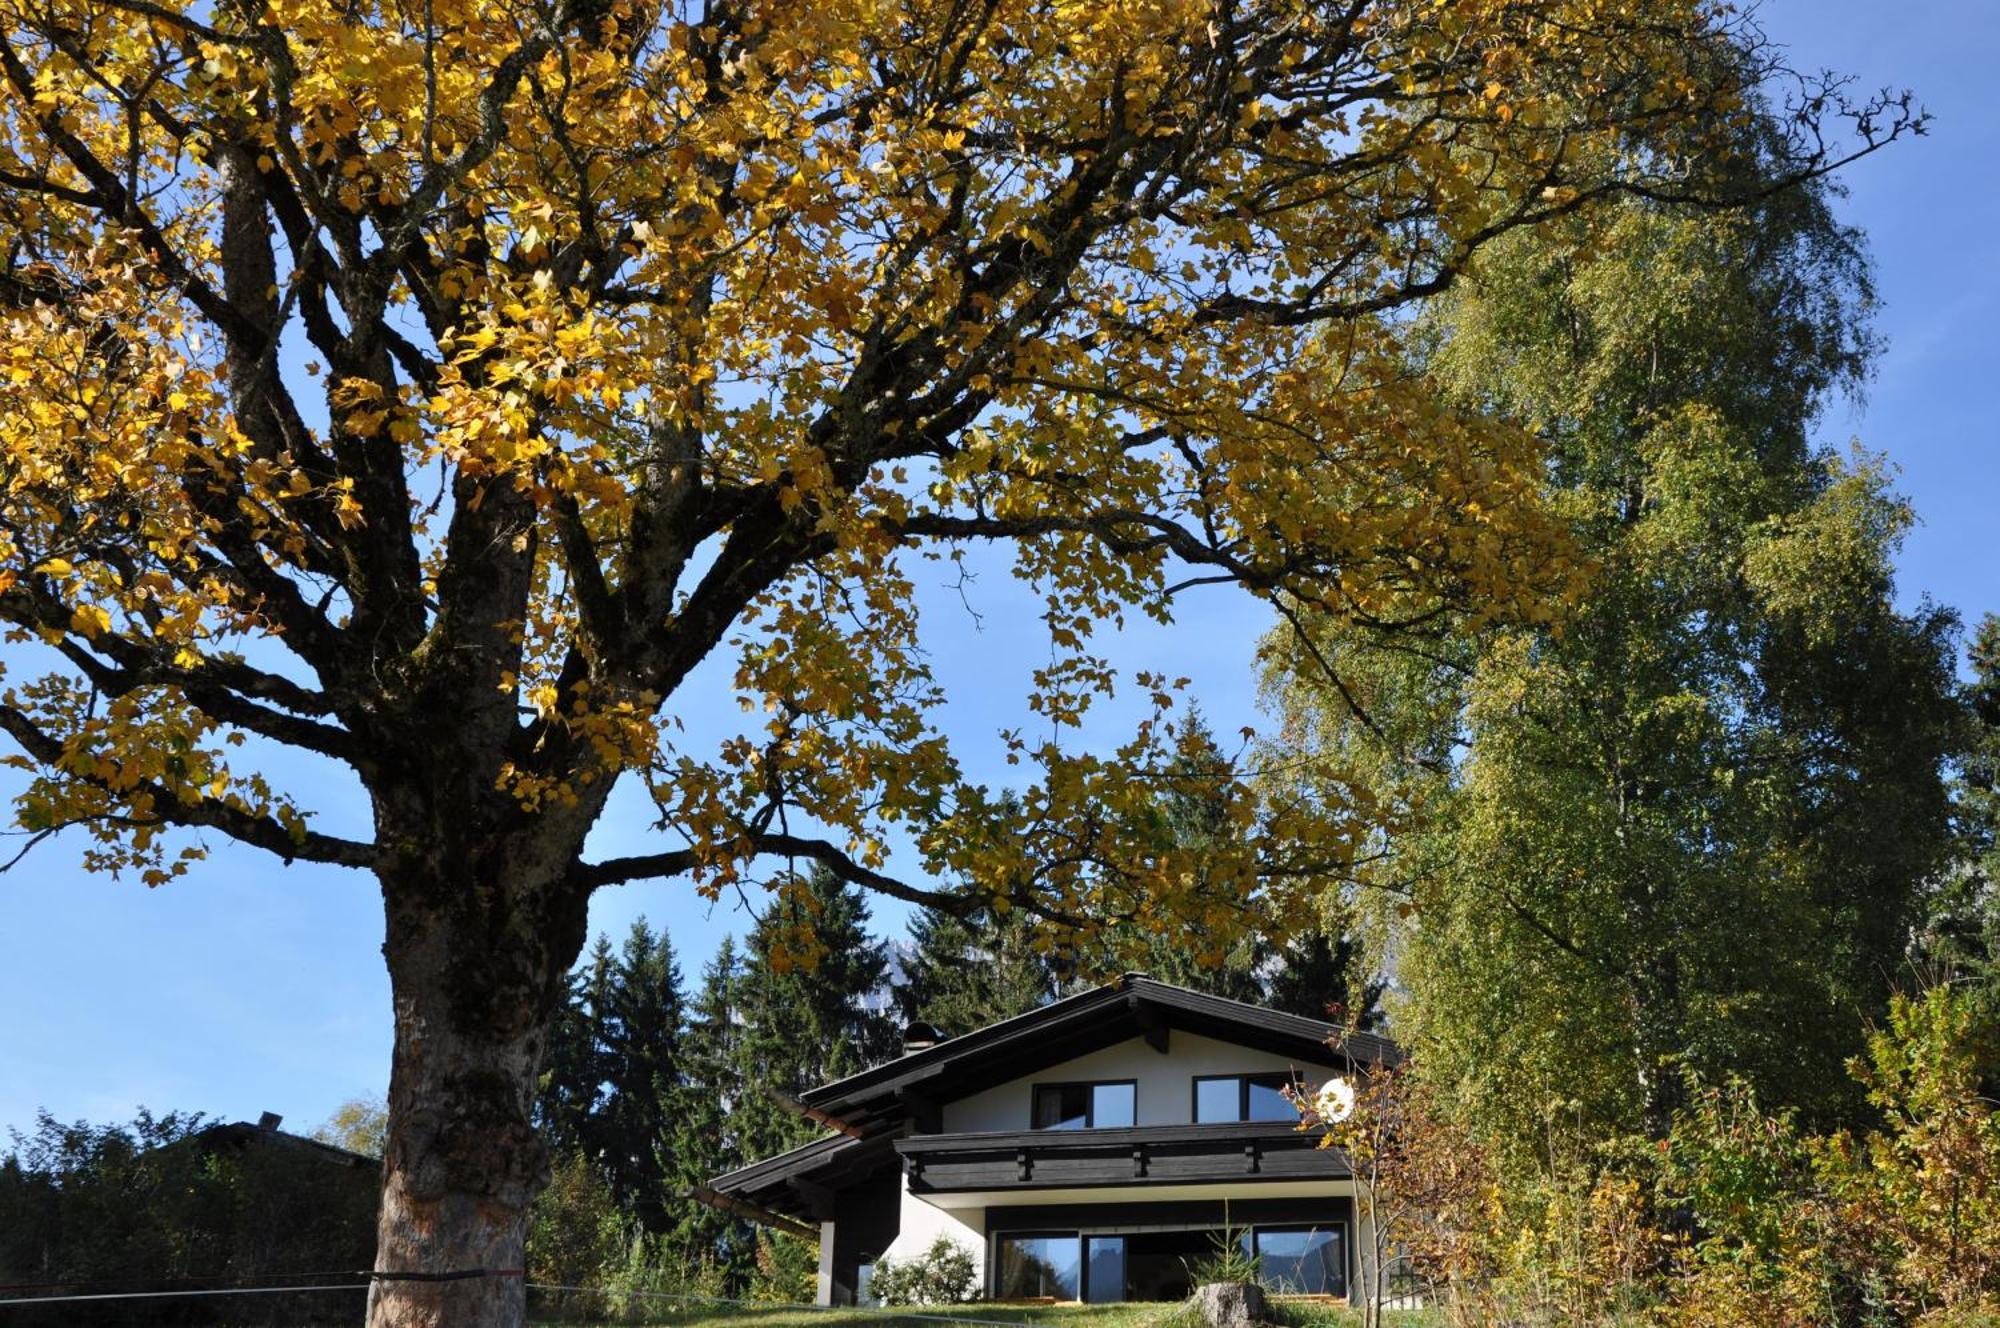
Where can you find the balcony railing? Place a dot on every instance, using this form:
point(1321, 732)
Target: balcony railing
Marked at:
point(1132, 1155)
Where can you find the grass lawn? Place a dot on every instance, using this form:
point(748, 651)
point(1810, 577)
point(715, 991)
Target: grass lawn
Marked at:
point(1126, 1315)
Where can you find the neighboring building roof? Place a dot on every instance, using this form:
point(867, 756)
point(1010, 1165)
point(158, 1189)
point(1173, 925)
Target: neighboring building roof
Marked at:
point(880, 1099)
point(239, 1135)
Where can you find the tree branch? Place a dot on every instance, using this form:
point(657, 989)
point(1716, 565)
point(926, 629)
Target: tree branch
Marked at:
point(263, 832)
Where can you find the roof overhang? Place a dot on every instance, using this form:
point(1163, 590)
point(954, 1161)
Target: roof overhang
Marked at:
point(799, 1184)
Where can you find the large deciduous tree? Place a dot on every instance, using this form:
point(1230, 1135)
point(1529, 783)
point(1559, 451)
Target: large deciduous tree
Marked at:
point(431, 387)
point(1694, 823)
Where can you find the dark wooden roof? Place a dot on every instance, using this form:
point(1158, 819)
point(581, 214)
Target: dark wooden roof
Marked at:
point(798, 1183)
point(884, 1098)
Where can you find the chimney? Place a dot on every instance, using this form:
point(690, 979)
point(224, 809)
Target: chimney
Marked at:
point(920, 1036)
point(270, 1120)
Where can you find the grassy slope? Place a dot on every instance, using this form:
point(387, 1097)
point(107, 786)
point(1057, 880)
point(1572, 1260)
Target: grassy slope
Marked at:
point(1053, 1316)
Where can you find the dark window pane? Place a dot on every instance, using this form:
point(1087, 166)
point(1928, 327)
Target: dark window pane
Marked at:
point(1218, 1100)
point(1112, 1105)
point(1303, 1262)
point(1267, 1098)
point(1037, 1266)
point(1062, 1107)
point(1105, 1280)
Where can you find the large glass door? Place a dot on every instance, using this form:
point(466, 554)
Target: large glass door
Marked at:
point(1104, 1268)
point(1309, 1261)
point(1037, 1267)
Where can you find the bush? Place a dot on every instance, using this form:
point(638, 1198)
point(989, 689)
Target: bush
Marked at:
point(575, 1231)
point(787, 1267)
point(941, 1275)
point(651, 1279)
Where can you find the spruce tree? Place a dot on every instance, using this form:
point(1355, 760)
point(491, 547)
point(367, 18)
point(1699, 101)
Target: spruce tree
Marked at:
point(975, 968)
point(1322, 976)
point(701, 1138)
point(1961, 935)
point(642, 1044)
point(810, 961)
point(574, 1072)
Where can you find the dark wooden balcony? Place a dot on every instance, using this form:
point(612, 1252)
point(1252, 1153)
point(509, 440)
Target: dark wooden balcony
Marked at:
point(1134, 1155)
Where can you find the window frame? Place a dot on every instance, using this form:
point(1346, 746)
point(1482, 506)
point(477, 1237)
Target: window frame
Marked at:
point(1243, 1078)
point(1089, 1101)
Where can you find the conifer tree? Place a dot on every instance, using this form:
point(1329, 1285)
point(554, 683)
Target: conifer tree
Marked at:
point(810, 961)
point(1197, 814)
point(1322, 975)
point(975, 968)
point(1193, 814)
point(644, 1076)
point(701, 1139)
point(573, 1076)
point(1961, 935)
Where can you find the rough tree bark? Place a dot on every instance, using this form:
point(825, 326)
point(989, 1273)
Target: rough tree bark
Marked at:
point(483, 924)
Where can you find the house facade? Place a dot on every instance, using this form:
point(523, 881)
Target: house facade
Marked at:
point(1091, 1150)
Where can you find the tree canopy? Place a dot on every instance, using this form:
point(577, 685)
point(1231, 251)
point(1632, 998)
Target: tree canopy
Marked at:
point(630, 328)
point(1693, 823)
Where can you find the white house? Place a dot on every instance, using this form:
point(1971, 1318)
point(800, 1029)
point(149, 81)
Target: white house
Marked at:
point(1088, 1150)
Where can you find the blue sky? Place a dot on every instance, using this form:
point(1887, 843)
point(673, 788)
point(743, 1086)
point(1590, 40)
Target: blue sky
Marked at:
point(249, 987)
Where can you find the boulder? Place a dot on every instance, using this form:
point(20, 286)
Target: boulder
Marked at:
point(1231, 1305)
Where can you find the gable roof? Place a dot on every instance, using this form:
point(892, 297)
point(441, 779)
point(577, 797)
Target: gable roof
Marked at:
point(880, 1099)
point(787, 1184)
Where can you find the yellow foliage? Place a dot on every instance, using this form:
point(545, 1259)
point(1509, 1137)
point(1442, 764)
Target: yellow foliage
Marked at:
point(642, 330)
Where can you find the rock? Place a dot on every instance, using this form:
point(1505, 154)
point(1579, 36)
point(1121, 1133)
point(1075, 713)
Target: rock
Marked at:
point(1231, 1305)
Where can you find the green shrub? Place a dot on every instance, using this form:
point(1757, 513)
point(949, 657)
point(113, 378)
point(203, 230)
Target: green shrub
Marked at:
point(786, 1267)
point(941, 1275)
point(652, 1279)
point(575, 1232)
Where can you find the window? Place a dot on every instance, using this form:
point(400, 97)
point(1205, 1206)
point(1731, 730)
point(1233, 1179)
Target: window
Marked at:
point(864, 1279)
point(1037, 1267)
point(1218, 1100)
point(1302, 1261)
point(1264, 1098)
point(1104, 1269)
point(1231, 1098)
point(1085, 1106)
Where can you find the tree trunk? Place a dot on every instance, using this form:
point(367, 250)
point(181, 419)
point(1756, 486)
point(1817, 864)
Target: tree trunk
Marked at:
point(1661, 1041)
point(480, 938)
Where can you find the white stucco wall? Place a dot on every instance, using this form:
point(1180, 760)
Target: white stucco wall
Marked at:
point(1165, 1093)
point(823, 1284)
point(922, 1222)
